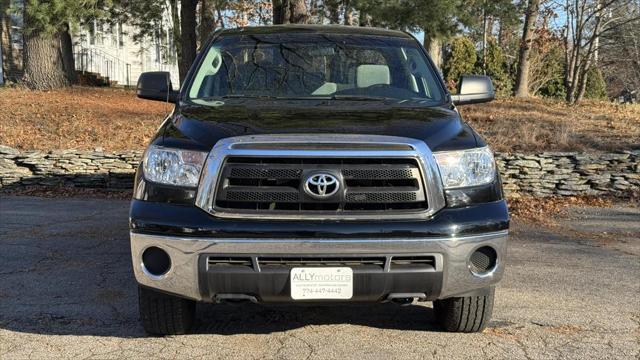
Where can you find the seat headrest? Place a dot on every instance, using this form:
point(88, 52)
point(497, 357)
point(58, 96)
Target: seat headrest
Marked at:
point(367, 75)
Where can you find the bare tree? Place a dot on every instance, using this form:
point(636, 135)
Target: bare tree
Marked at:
point(619, 55)
point(586, 22)
point(522, 73)
point(546, 61)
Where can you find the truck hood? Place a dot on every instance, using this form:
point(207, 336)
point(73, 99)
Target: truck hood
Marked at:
point(202, 125)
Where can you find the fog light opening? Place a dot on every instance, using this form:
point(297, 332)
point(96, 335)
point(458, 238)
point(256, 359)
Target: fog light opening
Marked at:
point(483, 261)
point(155, 262)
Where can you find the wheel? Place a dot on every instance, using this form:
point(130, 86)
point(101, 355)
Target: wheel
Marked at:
point(465, 314)
point(163, 314)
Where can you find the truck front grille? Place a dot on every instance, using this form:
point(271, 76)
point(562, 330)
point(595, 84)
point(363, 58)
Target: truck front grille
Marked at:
point(293, 177)
point(262, 185)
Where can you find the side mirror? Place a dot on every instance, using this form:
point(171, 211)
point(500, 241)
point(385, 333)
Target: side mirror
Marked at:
point(156, 85)
point(474, 89)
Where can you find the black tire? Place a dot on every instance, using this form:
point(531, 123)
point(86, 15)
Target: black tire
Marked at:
point(465, 314)
point(163, 314)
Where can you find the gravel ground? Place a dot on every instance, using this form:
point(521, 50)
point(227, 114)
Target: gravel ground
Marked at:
point(67, 291)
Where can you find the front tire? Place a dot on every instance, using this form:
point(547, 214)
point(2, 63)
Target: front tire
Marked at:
point(465, 314)
point(163, 314)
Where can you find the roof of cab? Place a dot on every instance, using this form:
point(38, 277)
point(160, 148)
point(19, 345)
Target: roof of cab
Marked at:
point(315, 29)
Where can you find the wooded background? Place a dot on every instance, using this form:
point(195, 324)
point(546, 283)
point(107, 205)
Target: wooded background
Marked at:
point(570, 49)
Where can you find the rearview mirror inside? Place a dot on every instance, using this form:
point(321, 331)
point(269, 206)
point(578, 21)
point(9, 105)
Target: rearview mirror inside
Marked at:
point(156, 85)
point(474, 89)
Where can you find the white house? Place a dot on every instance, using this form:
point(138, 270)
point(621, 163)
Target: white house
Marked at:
point(111, 51)
point(107, 50)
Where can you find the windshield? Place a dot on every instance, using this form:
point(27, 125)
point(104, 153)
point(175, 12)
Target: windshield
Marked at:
point(284, 65)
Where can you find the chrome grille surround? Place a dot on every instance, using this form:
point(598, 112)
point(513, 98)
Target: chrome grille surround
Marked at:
point(319, 146)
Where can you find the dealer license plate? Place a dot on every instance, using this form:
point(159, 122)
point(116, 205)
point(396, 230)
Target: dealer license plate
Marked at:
point(321, 283)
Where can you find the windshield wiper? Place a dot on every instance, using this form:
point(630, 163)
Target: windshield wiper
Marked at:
point(241, 96)
point(361, 97)
point(268, 97)
point(235, 96)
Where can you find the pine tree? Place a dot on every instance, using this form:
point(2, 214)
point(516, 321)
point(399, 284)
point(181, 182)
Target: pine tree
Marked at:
point(48, 53)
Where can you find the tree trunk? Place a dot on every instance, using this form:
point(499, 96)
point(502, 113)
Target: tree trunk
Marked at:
point(522, 74)
point(290, 12)
point(348, 13)
point(6, 52)
point(434, 48)
point(207, 20)
point(299, 14)
point(334, 10)
point(175, 27)
point(484, 42)
point(582, 86)
point(188, 38)
point(43, 64)
point(278, 11)
point(583, 58)
point(365, 19)
point(66, 49)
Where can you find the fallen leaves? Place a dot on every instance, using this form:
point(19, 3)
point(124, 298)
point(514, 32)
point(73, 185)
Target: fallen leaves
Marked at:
point(77, 118)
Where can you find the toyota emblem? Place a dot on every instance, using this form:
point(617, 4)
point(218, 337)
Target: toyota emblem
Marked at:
point(321, 186)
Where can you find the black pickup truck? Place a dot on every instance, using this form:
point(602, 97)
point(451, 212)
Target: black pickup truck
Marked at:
point(316, 165)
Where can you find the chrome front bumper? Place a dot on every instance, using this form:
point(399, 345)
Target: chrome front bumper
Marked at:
point(453, 252)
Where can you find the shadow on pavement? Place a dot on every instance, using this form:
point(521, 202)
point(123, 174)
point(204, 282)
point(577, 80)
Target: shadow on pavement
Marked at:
point(66, 270)
point(258, 319)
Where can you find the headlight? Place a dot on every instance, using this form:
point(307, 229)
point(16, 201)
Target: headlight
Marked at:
point(173, 166)
point(466, 168)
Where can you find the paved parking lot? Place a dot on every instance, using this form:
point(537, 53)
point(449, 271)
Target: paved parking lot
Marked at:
point(67, 290)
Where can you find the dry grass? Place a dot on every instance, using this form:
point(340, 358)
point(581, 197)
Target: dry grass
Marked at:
point(535, 125)
point(546, 211)
point(86, 118)
point(77, 118)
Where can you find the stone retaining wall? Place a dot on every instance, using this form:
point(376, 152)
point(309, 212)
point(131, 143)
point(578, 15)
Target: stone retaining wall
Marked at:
point(542, 174)
point(568, 174)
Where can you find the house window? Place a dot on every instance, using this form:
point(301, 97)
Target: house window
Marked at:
point(158, 43)
point(92, 34)
point(120, 35)
point(113, 35)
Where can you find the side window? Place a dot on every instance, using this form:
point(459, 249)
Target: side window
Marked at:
point(421, 76)
point(210, 67)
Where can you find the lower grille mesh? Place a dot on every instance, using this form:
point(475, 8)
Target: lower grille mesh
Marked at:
point(400, 262)
point(329, 261)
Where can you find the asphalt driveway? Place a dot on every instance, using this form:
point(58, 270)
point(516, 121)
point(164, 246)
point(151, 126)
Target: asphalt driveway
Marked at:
point(67, 290)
